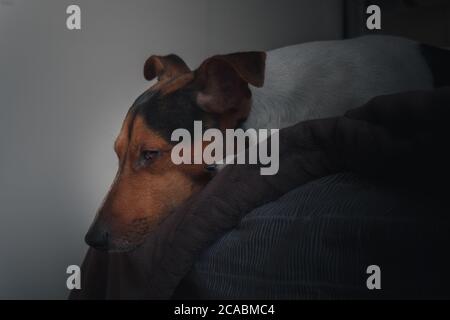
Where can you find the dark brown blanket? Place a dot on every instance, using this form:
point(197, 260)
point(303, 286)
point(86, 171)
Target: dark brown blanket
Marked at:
point(399, 138)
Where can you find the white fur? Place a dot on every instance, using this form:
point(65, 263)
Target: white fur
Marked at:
point(323, 79)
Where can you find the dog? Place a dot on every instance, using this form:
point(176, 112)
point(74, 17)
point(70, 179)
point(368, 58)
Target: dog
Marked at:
point(249, 90)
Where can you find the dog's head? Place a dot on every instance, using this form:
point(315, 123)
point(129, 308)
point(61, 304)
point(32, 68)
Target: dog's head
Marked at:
point(148, 185)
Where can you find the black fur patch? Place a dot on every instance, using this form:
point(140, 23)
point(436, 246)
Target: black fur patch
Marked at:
point(164, 114)
point(438, 60)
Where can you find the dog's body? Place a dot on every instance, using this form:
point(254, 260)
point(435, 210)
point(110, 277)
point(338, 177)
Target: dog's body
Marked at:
point(302, 82)
point(324, 79)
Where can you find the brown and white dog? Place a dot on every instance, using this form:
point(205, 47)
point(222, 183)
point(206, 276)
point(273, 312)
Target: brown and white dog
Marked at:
point(252, 90)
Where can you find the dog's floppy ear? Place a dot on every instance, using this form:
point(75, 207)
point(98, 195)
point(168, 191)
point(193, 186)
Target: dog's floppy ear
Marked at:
point(164, 67)
point(223, 80)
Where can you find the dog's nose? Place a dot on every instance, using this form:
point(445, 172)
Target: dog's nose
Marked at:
point(97, 237)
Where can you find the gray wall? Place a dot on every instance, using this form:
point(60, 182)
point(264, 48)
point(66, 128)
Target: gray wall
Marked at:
point(64, 94)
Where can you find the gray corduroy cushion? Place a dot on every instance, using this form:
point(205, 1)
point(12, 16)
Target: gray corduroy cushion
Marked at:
point(317, 241)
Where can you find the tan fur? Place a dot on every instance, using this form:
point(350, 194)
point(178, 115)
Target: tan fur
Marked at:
point(145, 195)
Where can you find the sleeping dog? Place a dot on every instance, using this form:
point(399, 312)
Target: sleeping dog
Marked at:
point(249, 90)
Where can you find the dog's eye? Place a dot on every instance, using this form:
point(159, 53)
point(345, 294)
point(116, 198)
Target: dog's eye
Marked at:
point(147, 156)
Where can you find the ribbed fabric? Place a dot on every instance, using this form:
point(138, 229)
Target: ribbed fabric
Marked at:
point(318, 240)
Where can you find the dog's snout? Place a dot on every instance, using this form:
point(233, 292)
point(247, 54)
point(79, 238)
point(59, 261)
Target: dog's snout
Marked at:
point(97, 237)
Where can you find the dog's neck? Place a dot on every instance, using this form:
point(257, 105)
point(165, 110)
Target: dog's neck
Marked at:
point(276, 104)
point(273, 110)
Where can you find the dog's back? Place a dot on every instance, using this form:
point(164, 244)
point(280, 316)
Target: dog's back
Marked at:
point(326, 78)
